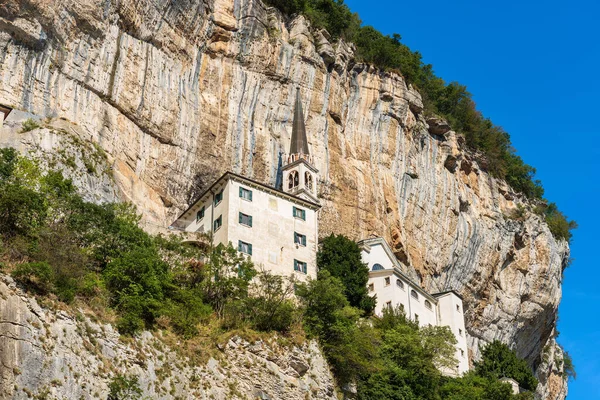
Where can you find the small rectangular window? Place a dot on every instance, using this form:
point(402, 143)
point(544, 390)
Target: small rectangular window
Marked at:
point(218, 197)
point(200, 214)
point(299, 239)
point(246, 194)
point(457, 308)
point(218, 222)
point(388, 304)
point(245, 219)
point(462, 353)
point(460, 332)
point(371, 287)
point(300, 266)
point(244, 247)
point(387, 281)
point(300, 213)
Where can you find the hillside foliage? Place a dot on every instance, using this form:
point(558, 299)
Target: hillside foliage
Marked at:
point(451, 101)
point(57, 245)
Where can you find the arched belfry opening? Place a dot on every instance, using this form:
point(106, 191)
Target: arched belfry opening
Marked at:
point(300, 174)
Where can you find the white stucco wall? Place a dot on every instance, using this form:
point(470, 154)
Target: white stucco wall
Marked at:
point(272, 231)
point(446, 309)
point(452, 314)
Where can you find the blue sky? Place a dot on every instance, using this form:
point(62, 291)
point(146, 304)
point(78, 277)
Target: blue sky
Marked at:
point(533, 68)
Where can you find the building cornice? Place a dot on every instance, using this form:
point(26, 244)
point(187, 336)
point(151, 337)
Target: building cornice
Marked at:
point(250, 182)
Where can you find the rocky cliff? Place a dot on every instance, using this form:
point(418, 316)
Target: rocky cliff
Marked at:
point(47, 353)
point(174, 93)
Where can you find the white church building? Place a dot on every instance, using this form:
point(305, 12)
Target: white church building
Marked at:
point(276, 228)
point(395, 289)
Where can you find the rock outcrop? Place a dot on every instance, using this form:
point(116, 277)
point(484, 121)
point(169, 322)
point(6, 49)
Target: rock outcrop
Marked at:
point(177, 92)
point(46, 353)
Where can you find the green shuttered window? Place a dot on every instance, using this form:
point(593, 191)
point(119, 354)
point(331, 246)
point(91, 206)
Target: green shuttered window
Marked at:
point(246, 194)
point(244, 247)
point(299, 239)
point(245, 219)
point(300, 213)
point(300, 266)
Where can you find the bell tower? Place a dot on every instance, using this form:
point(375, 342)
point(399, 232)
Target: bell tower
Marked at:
point(299, 174)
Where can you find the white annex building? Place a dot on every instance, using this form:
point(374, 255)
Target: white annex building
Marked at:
point(394, 289)
point(277, 228)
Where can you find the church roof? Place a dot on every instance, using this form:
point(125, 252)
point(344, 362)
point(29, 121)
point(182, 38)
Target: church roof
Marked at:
point(299, 143)
point(250, 182)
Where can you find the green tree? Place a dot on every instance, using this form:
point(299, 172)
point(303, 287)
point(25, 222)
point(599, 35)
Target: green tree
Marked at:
point(349, 345)
point(123, 387)
point(226, 277)
point(499, 361)
point(341, 257)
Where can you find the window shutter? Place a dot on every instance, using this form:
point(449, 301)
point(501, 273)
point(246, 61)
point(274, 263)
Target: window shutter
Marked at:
point(241, 192)
point(295, 265)
point(304, 240)
point(304, 215)
point(294, 212)
point(250, 249)
point(250, 220)
point(250, 193)
point(304, 268)
point(239, 245)
point(241, 218)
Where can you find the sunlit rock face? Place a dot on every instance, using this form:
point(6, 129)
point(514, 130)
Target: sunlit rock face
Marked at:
point(177, 92)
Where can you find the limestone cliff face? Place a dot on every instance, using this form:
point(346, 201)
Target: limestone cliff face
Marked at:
point(52, 354)
point(177, 92)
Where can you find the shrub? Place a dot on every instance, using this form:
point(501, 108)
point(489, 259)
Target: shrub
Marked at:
point(123, 387)
point(29, 125)
point(36, 276)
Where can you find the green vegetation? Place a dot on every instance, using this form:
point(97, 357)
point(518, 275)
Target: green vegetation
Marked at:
point(451, 101)
point(55, 244)
point(59, 244)
point(124, 388)
point(29, 125)
point(341, 257)
point(501, 362)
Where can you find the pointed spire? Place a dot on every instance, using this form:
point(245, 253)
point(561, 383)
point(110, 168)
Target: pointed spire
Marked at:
point(299, 142)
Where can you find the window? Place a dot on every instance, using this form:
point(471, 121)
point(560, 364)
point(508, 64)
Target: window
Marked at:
point(218, 222)
point(417, 318)
point(460, 332)
point(457, 308)
point(402, 307)
point(377, 267)
point(462, 353)
point(300, 213)
point(387, 281)
point(414, 294)
point(218, 197)
point(308, 179)
point(427, 304)
point(399, 283)
point(246, 194)
point(388, 304)
point(299, 239)
point(200, 214)
point(371, 287)
point(246, 220)
point(293, 180)
point(300, 266)
point(244, 247)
